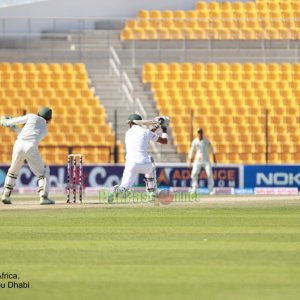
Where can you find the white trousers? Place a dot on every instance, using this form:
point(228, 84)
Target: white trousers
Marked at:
point(131, 172)
point(26, 151)
point(195, 174)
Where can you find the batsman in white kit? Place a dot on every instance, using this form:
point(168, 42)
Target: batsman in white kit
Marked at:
point(137, 159)
point(26, 148)
point(203, 147)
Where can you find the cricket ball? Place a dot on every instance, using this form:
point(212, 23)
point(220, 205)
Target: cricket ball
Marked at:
point(165, 197)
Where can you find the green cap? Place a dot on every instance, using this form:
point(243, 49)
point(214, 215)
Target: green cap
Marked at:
point(134, 117)
point(200, 130)
point(45, 112)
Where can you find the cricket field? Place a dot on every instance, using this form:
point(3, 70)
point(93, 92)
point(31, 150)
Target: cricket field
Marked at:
point(215, 249)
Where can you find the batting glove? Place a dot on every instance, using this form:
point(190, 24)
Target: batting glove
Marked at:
point(164, 129)
point(163, 120)
point(3, 121)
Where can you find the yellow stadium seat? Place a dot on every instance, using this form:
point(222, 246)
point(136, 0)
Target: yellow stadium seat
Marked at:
point(261, 5)
point(29, 67)
point(162, 68)
point(295, 6)
point(232, 157)
point(163, 33)
point(179, 14)
point(237, 6)
point(201, 6)
point(17, 67)
point(67, 67)
point(199, 68)
point(137, 33)
point(203, 21)
point(258, 158)
point(155, 14)
point(127, 34)
point(5, 67)
point(192, 14)
point(55, 68)
point(42, 68)
point(213, 6)
point(273, 158)
point(144, 24)
point(155, 17)
point(174, 34)
point(179, 18)
point(79, 67)
point(149, 68)
point(187, 33)
point(168, 24)
point(150, 33)
point(174, 68)
point(273, 5)
point(295, 157)
point(245, 157)
point(167, 14)
point(223, 34)
point(191, 24)
point(250, 6)
point(143, 14)
point(225, 6)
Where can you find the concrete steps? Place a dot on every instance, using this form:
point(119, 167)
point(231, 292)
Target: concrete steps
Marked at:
point(111, 97)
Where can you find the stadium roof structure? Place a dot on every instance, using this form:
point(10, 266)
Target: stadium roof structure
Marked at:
point(9, 3)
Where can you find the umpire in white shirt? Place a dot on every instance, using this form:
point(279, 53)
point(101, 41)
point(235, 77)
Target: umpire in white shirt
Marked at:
point(203, 147)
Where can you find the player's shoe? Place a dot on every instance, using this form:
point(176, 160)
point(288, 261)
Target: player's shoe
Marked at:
point(6, 199)
point(44, 200)
point(151, 196)
point(120, 195)
point(213, 192)
point(113, 194)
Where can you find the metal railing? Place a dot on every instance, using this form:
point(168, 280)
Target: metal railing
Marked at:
point(125, 85)
point(127, 89)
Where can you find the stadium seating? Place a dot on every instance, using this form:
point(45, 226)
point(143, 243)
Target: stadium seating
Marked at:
point(78, 122)
point(230, 101)
point(265, 19)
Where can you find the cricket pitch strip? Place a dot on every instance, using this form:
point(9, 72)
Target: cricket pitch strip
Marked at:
point(28, 202)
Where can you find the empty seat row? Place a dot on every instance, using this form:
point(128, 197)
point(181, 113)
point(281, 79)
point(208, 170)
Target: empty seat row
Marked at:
point(215, 20)
point(42, 67)
point(231, 112)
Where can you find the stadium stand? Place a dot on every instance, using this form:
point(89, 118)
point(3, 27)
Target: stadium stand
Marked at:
point(78, 122)
point(264, 19)
point(230, 101)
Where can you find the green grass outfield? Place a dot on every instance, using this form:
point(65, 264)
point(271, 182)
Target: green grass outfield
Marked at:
point(152, 253)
